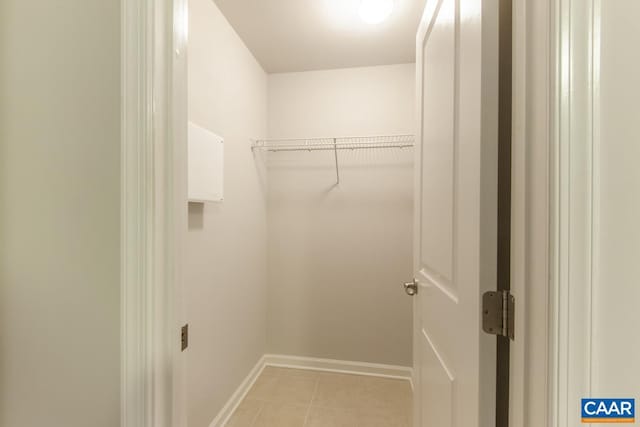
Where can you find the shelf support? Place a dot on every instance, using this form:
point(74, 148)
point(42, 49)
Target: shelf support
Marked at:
point(335, 152)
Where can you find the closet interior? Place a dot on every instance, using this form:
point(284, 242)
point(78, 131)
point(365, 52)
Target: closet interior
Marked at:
point(301, 263)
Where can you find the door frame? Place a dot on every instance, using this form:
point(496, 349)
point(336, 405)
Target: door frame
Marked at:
point(153, 210)
point(575, 195)
point(535, 36)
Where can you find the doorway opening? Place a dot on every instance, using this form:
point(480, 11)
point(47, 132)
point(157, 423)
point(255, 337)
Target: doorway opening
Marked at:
point(313, 195)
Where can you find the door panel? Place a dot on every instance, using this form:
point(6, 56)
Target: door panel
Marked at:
point(455, 212)
point(438, 155)
point(437, 401)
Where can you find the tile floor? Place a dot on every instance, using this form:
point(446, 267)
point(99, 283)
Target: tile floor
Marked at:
point(284, 397)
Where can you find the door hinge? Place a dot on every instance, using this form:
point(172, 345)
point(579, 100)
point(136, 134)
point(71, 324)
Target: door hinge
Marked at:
point(184, 337)
point(498, 313)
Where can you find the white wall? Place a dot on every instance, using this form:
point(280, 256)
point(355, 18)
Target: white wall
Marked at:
point(338, 255)
point(617, 231)
point(59, 213)
point(226, 278)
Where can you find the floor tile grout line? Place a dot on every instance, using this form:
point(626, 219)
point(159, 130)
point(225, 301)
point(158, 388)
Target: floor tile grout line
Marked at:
point(279, 375)
point(313, 396)
point(262, 403)
point(255, 417)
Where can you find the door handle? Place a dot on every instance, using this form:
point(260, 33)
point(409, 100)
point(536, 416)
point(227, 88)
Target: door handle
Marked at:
point(411, 288)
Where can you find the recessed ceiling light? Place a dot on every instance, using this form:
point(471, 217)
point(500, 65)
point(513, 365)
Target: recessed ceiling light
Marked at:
point(375, 11)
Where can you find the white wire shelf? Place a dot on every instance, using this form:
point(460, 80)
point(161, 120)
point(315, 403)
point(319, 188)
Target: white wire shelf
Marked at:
point(334, 143)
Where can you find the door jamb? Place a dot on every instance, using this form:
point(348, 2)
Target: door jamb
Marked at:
point(575, 191)
point(153, 215)
point(531, 397)
point(503, 239)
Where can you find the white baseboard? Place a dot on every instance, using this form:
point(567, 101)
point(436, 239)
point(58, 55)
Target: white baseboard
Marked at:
point(342, 366)
point(229, 408)
point(297, 362)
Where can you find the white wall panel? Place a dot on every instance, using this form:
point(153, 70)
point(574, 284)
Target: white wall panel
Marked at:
point(339, 254)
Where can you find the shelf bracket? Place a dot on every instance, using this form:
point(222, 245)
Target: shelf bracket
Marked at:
point(335, 152)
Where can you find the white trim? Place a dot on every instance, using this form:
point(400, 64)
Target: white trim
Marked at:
point(151, 219)
point(340, 366)
point(136, 236)
point(238, 396)
point(178, 122)
point(517, 374)
point(575, 190)
point(531, 249)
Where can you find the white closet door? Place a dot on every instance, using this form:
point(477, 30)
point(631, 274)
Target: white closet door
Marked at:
point(455, 213)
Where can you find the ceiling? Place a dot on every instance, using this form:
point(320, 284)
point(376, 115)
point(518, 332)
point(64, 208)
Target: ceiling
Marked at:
point(303, 35)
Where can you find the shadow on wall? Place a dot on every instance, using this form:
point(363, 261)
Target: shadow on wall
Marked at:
point(260, 158)
point(196, 216)
point(4, 289)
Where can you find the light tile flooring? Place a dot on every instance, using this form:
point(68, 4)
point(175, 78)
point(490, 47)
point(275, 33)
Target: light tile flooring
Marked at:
point(301, 398)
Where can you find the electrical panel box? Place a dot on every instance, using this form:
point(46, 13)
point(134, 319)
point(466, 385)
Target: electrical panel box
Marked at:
point(206, 165)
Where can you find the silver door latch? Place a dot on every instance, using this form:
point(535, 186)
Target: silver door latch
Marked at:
point(411, 288)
